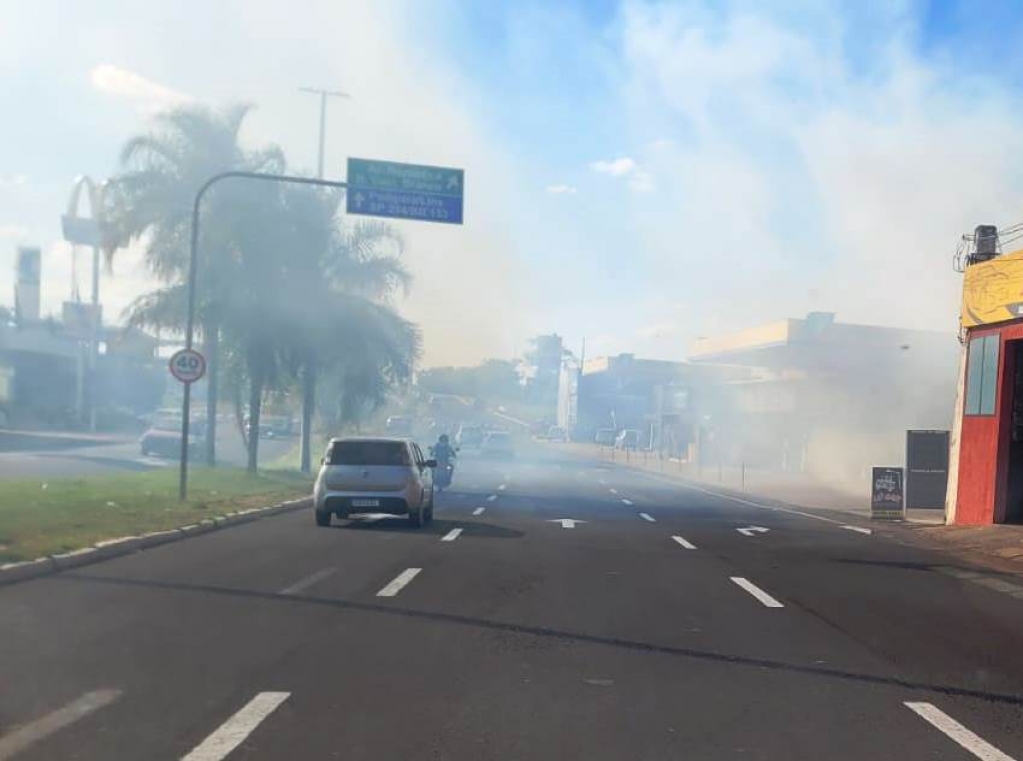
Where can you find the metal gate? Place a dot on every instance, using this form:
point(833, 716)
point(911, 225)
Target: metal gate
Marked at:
point(926, 469)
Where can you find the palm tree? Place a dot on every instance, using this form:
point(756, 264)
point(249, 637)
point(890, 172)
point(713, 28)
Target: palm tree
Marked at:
point(151, 201)
point(343, 277)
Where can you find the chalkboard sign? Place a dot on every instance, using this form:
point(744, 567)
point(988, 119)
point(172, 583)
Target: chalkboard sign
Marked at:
point(886, 494)
point(926, 469)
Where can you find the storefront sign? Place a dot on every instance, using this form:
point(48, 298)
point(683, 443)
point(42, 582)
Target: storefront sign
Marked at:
point(886, 494)
point(993, 290)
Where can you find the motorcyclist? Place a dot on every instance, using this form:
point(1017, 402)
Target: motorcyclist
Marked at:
point(443, 452)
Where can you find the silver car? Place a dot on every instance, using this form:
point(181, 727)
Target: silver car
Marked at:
point(374, 475)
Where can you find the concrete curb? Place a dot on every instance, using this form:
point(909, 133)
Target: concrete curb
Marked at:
point(126, 545)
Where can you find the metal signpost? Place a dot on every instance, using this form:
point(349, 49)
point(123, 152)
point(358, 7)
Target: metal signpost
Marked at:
point(376, 188)
point(405, 191)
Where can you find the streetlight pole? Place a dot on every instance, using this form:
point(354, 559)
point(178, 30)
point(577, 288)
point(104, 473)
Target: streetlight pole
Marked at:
point(309, 372)
point(324, 94)
point(193, 257)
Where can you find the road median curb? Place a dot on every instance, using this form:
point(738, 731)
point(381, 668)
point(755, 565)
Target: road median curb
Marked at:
point(126, 545)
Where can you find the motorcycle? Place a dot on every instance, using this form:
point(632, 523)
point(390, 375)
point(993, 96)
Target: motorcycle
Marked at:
point(442, 475)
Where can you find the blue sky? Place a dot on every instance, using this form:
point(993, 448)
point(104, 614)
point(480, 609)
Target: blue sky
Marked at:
point(639, 173)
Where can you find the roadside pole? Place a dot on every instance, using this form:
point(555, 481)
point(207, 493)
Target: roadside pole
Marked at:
point(952, 489)
point(309, 371)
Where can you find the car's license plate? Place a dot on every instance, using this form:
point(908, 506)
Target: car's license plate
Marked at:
point(365, 503)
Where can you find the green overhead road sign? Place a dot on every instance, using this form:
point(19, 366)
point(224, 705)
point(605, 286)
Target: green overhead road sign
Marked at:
point(405, 191)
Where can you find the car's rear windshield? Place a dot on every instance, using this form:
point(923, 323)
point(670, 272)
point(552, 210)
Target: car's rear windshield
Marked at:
point(368, 453)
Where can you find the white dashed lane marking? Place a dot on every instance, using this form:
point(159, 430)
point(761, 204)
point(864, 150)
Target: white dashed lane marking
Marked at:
point(491, 498)
point(399, 583)
point(478, 511)
point(502, 487)
point(940, 720)
point(233, 732)
point(684, 543)
point(452, 535)
point(308, 581)
point(613, 491)
point(31, 733)
point(757, 592)
point(647, 517)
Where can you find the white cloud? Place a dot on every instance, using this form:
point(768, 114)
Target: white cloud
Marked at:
point(12, 180)
point(113, 80)
point(614, 167)
point(562, 189)
point(834, 189)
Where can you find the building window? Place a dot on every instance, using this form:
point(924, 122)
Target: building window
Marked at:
point(982, 376)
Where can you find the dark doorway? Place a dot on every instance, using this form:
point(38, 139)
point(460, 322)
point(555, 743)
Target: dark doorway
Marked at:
point(1014, 501)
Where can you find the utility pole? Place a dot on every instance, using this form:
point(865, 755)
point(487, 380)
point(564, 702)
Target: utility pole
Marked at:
point(309, 374)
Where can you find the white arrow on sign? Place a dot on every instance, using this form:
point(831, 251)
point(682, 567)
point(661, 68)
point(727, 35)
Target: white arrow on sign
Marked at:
point(359, 198)
point(752, 530)
point(566, 522)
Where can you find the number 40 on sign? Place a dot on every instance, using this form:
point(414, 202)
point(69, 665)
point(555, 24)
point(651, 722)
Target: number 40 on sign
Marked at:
point(187, 365)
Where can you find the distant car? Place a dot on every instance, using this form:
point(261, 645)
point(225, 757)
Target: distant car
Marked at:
point(469, 437)
point(605, 437)
point(398, 425)
point(164, 440)
point(628, 438)
point(557, 434)
point(374, 475)
point(497, 444)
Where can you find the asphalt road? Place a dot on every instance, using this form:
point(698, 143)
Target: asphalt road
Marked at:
point(124, 457)
point(651, 629)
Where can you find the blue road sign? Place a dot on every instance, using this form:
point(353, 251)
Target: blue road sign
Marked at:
point(405, 191)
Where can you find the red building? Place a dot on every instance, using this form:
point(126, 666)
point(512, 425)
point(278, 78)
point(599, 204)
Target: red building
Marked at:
point(987, 447)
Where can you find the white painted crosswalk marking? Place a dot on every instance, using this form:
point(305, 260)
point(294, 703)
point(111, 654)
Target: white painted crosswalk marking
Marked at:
point(233, 732)
point(31, 733)
point(757, 592)
point(684, 543)
point(940, 720)
point(399, 582)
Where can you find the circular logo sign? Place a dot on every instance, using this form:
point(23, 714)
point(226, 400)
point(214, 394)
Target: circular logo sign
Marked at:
point(187, 365)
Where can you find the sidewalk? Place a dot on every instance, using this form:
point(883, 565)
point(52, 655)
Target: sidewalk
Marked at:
point(998, 547)
point(35, 441)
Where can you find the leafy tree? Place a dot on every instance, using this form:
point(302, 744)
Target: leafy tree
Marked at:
point(151, 200)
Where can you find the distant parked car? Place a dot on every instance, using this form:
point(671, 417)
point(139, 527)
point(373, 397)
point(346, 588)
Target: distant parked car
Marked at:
point(605, 437)
point(163, 439)
point(628, 438)
point(374, 475)
point(557, 434)
point(497, 444)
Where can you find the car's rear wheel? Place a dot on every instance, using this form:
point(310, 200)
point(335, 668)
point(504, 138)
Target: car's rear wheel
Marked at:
point(322, 518)
point(415, 517)
point(429, 512)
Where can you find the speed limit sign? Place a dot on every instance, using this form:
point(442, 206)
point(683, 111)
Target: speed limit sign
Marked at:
point(187, 365)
